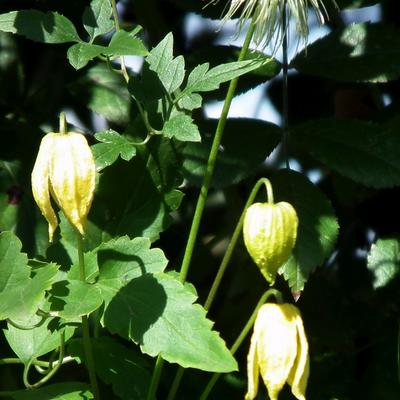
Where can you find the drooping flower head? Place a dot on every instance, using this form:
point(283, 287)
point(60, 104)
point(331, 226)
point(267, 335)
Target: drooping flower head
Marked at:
point(278, 352)
point(269, 16)
point(64, 170)
point(269, 233)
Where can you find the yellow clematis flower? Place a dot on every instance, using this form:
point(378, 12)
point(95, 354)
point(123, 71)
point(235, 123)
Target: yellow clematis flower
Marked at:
point(269, 233)
point(64, 170)
point(278, 351)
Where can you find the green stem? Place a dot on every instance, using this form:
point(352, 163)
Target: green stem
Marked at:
point(242, 335)
point(155, 379)
point(198, 213)
point(126, 76)
point(175, 384)
point(51, 373)
point(211, 164)
point(63, 123)
point(118, 28)
point(46, 364)
point(285, 99)
point(224, 263)
point(27, 327)
point(87, 344)
point(236, 234)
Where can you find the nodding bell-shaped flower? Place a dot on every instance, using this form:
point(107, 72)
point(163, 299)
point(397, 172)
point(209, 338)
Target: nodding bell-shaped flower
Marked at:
point(64, 170)
point(270, 232)
point(278, 351)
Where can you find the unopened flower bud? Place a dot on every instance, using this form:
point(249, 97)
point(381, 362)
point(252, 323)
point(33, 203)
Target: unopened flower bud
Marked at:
point(64, 170)
point(270, 232)
point(278, 351)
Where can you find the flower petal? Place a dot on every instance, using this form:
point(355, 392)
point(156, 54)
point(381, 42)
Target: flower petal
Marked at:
point(252, 369)
point(72, 177)
point(276, 345)
point(298, 376)
point(40, 182)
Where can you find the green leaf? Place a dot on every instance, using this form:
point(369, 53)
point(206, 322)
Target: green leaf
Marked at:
point(18, 211)
point(113, 145)
point(201, 79)
point(174, 199)
point(165, 163)
point(170, 70)
point(218, 55)
point(157, 312)
point(121, 260)
point(104, 92)
point(29, 344)
point(181, 127)
point(132, 203)
point(190, 102)
point(38, 26)
point(28, 298)
point(147, 87)
point(318, 227)
point(81, 53)
point(56, 391)
point(246, 146)
point(14, 270)
point(358, 52)
point(97, 18)
point(116, 364)
point(91, 268)
point(362, 151)
point(20, 295)
point(384, 261)
point(72, 299)
point(93, 237)
point(124, 43)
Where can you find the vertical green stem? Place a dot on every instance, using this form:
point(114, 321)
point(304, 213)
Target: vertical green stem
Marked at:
point(285, 99)
point(211, 163)
point(224, 263)
point(212, 158)
point(246, 329)
point(176, 382)
point(155, 379)
point(87, 345)
point(117, 28)
point(126, 76)
point(63, 123)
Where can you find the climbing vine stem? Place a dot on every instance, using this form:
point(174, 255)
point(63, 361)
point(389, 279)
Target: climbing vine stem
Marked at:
point(87, 344)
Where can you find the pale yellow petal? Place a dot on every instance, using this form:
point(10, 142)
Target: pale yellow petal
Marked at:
point(40, 182)
point(72, 177)
point(252, 369)
point(86, 173)
point(276, 345)
point(299, 374)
